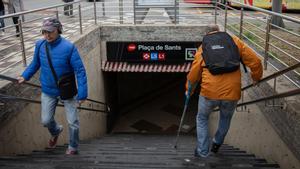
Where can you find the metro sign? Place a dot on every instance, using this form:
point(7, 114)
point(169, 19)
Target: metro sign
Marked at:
point(161, 56)
point(146, 56)
point(152, 51)
point(131, 47)
point(190, 53)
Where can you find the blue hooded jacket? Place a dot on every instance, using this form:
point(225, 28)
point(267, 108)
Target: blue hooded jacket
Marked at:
point(65, 59)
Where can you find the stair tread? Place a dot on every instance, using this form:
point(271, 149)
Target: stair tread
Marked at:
point(135, 151)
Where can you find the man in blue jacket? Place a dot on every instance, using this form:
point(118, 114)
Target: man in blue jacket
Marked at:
point(65, 59)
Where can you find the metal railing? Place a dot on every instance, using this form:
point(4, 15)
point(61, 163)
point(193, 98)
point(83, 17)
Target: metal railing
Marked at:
point(7, 97)
point(279, 46)
point(256, 30)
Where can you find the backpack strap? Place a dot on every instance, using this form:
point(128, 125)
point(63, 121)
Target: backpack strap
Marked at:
point(244, 66)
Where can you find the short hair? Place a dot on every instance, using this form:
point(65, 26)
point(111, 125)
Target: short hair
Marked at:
point(212, 28)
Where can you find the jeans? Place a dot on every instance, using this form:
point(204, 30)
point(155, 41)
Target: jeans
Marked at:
point(2, 24)
point(49, 104)
point(205, 107)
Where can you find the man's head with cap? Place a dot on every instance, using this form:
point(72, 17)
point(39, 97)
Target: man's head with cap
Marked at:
point(51, 28)
point(50, 24)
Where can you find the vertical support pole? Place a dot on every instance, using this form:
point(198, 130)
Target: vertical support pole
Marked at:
point(175, 12)
point(80, 19)
point(121, 11)
point(134, 12)
point(225, 22)
point(103, 8)
point(22, 42)
point(274, 89)
point(216, 12)
point(57, 16)
point(241, 23)
point(268, 27)
point(95, 12)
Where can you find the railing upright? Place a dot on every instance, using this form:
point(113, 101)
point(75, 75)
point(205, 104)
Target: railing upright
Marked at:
point(134, 12)
point(56, 13)
point(95, 12)
point(241, 23)
point(175, 12)
point(121, 11)
point(225, 22)
point(21, 35)
point(103, 7)
point(80, 18)
point(268, 28)
point(216, 4)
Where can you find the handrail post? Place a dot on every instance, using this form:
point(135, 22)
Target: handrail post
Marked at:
point(241, 23)
point(95, 12)
point(20, 33)
point(121, 11)
point(274, 89)
point(216, 2)
point(80, 19)
point(134, 12)
point(103, 8)
point(267, 43)
point(57, 15)
point(175, 12)
point(225, 22)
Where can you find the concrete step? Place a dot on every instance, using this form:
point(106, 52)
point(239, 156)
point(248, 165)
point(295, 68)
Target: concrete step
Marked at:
point(135, 151)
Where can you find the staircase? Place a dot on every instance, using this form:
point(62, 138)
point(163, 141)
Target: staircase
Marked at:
point(130, 151)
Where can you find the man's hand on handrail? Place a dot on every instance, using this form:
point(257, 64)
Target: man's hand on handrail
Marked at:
point(255, 83)
point(80, 102)
point(20, 79)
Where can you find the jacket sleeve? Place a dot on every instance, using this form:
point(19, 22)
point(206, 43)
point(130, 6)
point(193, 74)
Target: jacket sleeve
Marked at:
point(34, 65)
point(80, 73)
point(195, 74)
point(250, 59)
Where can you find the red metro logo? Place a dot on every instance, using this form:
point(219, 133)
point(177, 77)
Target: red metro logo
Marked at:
point(131, 47)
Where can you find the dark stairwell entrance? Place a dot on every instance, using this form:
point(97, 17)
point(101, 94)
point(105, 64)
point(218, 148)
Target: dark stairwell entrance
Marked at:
point(147, 102)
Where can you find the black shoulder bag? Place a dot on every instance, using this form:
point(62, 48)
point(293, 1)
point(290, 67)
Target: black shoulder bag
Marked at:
point(66, 84)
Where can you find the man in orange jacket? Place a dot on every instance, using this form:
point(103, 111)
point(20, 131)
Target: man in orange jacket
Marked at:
point(218, 90)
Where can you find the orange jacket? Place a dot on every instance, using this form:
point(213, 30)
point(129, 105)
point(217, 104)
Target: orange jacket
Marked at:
point(225, 86)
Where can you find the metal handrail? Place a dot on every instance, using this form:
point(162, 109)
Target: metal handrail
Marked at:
point(276, 96)
point(38, 9)
point(38, 86)
point(281, 72)
point(266, 11)
point(7, 97)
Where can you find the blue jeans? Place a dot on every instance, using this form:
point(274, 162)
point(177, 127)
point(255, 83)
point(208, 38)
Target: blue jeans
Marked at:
point(48, 111)
point(2, 24)
point(205, 107)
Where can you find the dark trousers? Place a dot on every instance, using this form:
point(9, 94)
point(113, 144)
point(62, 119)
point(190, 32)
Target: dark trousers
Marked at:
point(16, 23)
point(2, 24)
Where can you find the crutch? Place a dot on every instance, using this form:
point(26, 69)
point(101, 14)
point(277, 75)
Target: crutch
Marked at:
point(187, 98)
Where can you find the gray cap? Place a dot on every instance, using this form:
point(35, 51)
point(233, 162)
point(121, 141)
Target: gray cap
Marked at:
point(50, 24)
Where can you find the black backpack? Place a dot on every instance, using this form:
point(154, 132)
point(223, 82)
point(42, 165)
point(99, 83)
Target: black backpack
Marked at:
point(220, 53)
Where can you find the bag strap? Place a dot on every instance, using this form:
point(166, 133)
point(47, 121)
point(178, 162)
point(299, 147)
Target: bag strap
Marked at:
point(50, 64)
